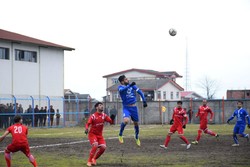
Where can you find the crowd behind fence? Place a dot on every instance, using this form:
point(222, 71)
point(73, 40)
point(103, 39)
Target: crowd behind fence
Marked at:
point(50, 112)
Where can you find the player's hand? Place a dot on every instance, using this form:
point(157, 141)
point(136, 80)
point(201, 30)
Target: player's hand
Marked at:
point(86, 131)
point(132, 84)
point(171, 122)
point(228, 121)
point(145, 104)
point(184, 126)
point(248, 125)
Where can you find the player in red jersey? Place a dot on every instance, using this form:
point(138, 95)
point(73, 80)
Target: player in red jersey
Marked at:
point(96, 139)
point(19, 134)
point(203, 113)
point(178, 122)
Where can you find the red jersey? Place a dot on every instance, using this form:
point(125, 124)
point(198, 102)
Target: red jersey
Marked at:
point(203, 112)
point(19, 133)
point(96, 121)
point(178, 116)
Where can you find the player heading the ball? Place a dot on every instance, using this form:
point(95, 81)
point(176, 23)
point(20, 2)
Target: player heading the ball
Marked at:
point(128, 95)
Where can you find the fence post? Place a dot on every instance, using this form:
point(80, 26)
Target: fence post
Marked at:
point(64, 114)
point(77, 110)
point(14, 104)
point(33, 116)
point(223, 110)
point(48, 110)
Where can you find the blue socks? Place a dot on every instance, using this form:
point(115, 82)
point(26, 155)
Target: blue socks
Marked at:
point(122, 128)
point(235, 139)
point(136, 131)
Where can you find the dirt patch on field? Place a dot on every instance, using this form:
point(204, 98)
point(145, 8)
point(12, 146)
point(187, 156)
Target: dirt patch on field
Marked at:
point(209, 152)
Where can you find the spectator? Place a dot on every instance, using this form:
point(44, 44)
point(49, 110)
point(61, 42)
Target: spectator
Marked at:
point(36, 111)
point(51, 115)
point(58, 115)
point(44, 115)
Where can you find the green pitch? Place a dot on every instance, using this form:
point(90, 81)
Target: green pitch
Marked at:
point(209, 152)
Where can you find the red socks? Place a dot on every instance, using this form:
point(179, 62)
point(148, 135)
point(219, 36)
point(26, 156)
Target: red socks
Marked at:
point(100, 152)
point(7, 158)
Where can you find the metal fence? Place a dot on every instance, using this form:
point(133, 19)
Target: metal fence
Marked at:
point(62, 112)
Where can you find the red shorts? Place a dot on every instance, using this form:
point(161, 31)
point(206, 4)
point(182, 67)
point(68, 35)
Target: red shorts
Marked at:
point(203, 125)
point(19, 147)
point(96, 138)
point(175, 128)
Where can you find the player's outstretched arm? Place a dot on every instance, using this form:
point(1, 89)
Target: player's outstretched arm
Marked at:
point(4, 135)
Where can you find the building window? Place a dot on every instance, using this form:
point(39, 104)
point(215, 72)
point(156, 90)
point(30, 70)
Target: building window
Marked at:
point(4, 53)
point(114, 80)
point(159, 94)
point(177, 95)
point(171, 95)
point(164, 95)
point(23, 55)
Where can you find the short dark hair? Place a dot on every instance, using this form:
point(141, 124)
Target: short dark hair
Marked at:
point(240, 102)
point(17, 118)
point(121, 78)
point(97, 104)
point(179, 102)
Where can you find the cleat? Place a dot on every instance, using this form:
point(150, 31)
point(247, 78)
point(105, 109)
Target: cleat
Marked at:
point(217, 136)
point(138, 142)
point(89, 164)
point(121, 139)
point(195, 142)
point(93, 161)
point(235, 145)
point(188, 146)
point(164, 147)
point(247, 136)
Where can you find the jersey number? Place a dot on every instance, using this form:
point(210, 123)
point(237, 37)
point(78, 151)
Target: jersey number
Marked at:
point(18, 129)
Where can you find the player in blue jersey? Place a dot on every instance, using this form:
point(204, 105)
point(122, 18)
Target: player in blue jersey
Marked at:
point(127, 93)
point(239, 128)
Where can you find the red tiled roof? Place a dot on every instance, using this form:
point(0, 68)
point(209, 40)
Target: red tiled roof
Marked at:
point(14, 37)
point(156, 73)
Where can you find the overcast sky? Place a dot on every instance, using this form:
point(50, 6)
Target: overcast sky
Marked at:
point(111, 36)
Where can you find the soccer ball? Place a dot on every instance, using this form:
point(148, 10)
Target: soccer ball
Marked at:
point(172, 32)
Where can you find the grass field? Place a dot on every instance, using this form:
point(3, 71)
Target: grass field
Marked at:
point(69, 147)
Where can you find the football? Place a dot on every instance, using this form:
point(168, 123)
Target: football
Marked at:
point(172, 32)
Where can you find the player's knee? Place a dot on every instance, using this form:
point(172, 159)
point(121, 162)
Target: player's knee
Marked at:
point(103, 147)
point(126, 120)
point(95, 144)
point(6, 151)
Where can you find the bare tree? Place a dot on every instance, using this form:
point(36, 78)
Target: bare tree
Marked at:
point(209, 87)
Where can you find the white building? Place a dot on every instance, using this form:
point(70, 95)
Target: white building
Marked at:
point(155, 85)
point(30, 66)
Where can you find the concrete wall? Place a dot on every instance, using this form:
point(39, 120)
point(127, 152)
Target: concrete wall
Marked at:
point(153, 115)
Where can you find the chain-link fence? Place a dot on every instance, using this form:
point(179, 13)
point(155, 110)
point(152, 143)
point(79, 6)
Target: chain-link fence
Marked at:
point(44, 111)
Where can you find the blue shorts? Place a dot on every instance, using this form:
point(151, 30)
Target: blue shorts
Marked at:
point(131, 111)
point(239, 128)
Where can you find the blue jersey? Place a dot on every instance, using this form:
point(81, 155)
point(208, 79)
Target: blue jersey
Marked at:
point(128, 94)
point(241, 115)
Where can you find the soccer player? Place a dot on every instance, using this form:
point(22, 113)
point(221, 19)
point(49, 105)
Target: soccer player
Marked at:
point(239, 128)
point(98, 143)
point(127, 93)
point(19, 134)
point(178, 122)
point(203, 112)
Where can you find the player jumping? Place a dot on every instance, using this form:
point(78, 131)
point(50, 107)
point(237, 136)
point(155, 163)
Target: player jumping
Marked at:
point(96, 139)
point(128, 96)
point(239, 128)
point(178, 122)
point(203, 113)
point(19, 134)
